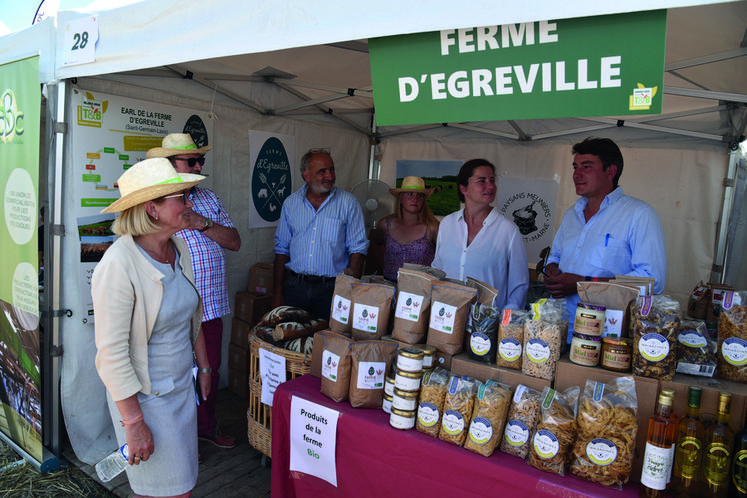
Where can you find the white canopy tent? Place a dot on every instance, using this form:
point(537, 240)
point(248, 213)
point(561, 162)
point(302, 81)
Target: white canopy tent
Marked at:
point(302, 70)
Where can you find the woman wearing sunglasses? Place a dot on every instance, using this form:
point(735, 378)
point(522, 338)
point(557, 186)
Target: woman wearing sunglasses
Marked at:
point(409, 234)
point(148, 332)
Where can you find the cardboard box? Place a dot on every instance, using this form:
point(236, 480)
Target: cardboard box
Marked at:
point(251, 306)
point(240, 333)
point(569, 374)
point(681, 383)
point(462, 364)
point(238, 383)
point(238, 358)
point(260, 278)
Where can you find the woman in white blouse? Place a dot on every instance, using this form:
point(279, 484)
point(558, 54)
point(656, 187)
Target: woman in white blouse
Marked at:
point(478, 242)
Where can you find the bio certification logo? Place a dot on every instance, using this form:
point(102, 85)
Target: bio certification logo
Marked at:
point(11, 119)
point(91, 111)
point(642, 98)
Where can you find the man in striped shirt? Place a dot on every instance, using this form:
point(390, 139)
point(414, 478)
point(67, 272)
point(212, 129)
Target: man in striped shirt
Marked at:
point(210, 234)
point(320, 234)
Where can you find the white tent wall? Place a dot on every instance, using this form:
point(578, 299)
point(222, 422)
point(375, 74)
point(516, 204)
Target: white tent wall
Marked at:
point(682, 182)
point(228, 170)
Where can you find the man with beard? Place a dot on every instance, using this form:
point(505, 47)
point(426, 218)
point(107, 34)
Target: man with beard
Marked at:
point(320, 234)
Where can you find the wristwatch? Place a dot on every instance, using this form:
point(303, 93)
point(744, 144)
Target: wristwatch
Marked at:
point(208, 224)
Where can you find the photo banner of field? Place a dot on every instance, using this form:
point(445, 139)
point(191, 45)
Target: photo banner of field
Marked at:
point(437, 174)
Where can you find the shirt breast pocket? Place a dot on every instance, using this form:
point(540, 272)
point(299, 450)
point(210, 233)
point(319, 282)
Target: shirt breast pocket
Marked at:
point(333, 230)
point(610, 254)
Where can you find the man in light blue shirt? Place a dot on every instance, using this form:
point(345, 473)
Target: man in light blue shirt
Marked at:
point(606, 233)
point(320, 234)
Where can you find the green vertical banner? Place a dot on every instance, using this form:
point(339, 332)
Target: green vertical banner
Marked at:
point(593, 66)
point(20, 389)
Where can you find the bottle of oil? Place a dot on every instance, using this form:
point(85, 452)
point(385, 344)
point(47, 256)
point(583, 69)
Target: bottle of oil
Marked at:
point(657, 460)
point(738, 481)
point(718, 451)
point(689, 454)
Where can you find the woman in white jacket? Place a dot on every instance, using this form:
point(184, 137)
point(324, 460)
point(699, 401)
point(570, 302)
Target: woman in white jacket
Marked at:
point(148, 330)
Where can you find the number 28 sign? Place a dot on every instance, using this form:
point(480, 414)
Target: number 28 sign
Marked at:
point(81, 36)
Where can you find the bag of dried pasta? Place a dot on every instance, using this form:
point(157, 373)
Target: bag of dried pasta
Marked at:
point(433, 388)
point(655, 321)
point(607, 430)
point(488, 417)
point(556, 432)
point(511, 338)
point(543, 339)
point(458, 404)
point(732, 339)
point(521, 421)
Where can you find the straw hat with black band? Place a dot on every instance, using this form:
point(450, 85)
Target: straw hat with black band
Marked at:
point(413, 184)
point(148, 180)
point(175, 144)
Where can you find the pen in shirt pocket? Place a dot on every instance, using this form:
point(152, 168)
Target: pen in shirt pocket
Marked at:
point(606, 239)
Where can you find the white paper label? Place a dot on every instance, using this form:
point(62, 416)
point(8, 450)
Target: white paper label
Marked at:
point(365, 318)
point(546, 444)
point(538, 351)
point(427, 414)
point(340, 309)
point(272, 372)
point(330, 362)
point(442, 317)
point(313, 436)
point(517, 433)
point(653, 347)
point(509, 349)
point(480, 430)
point(371, 375)
point(613, 321)
point(409, 306)
point(81, 36)
point(656, 467)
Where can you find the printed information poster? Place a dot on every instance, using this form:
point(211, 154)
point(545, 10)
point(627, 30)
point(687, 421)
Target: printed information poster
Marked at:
point(272, 373)
point(110, 134)
point(270, 156)
point(313, 433)
point(530, 204)
point(20, 386)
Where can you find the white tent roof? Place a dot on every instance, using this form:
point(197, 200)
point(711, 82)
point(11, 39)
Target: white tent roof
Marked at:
point(314, 58)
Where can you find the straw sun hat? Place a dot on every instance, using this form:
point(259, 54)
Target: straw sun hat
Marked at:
point(412, 184)
point(148, 180)
point(177, 143)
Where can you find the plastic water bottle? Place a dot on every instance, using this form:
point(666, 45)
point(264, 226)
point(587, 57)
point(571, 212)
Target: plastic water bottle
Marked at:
point(111, 466)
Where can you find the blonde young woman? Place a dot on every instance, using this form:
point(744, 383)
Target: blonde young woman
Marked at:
point(148, 333)
point(409, 234)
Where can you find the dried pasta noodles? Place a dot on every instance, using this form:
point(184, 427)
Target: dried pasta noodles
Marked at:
point(607, 430)
point(511, 338)
point(655, 322)
point(488, 418)
point(460, 398)
point(433, 389)
point(521, 422)
point(732, 338)
point(556, 433)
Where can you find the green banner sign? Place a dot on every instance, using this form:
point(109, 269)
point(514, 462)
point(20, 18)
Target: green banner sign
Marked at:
point(593, 66)
point(20, 389)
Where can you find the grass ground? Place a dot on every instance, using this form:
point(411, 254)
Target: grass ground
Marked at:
point(23, 480)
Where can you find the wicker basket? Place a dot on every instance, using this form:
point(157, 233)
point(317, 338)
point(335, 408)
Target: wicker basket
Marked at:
point(258, 415)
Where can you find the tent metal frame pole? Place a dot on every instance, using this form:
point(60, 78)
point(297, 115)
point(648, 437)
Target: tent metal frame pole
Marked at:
point(722, 227)
point(57, 233)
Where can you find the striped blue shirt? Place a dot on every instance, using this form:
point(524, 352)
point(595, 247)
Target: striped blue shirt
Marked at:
point(320, 242)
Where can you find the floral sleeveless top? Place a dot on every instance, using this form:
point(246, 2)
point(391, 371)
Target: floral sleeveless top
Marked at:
point(419, 251)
